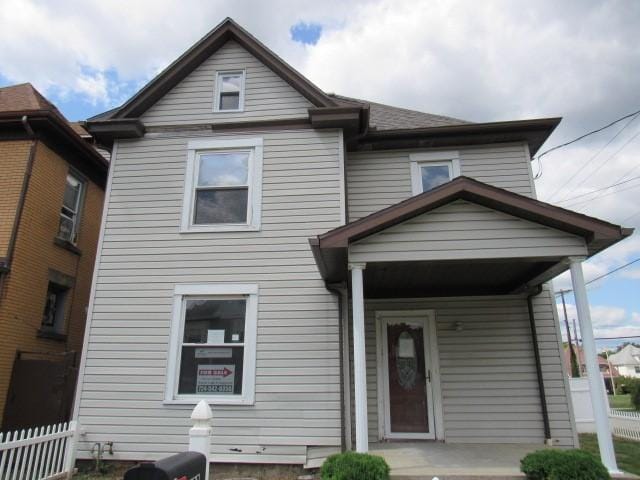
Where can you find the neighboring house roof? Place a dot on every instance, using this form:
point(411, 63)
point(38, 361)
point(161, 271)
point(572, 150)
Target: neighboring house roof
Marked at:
point(602, 362)
point(23, 108)
point(330, 248)
point(387, 117)
point(629, 355)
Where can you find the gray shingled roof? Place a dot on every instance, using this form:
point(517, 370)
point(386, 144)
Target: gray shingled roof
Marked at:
point(386, 117)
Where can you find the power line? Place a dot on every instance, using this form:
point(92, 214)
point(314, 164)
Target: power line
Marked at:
point(601, 276)
point(616, 338)
point(610, 157)
point(615, 192)
point(592, 159)
point(538, 157)
point(599, 189)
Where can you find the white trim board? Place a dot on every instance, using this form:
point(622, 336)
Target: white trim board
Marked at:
point(250, 343)
point(432, 361)
point(449, 158)
point(254, 203)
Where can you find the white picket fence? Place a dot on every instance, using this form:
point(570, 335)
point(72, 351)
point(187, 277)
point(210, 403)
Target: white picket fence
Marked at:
point(43, 453)
point(625, 423)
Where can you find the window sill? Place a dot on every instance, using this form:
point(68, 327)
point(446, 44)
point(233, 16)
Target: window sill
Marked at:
point(220, 228)
point(210, 401)
point(50, 335)
point(67, 245)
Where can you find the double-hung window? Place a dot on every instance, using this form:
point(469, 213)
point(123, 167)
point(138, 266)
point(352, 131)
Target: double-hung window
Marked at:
point(70, 212)
point(223, 185)
point(431, 169)
point(229, 94)
point(213, 344)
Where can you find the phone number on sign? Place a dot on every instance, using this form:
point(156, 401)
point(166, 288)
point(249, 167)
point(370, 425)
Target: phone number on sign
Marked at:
point(214, 389)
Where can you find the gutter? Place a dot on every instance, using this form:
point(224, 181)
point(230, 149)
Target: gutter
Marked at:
point(6, 264)
point(536, 353)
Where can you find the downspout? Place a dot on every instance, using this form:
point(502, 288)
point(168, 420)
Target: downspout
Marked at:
point(536, 353)
point(336, 289)
point(21, 199)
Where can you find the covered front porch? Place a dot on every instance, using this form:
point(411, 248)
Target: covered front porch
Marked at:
point(450, 335)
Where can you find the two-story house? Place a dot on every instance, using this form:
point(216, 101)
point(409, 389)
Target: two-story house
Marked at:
point(326, 272)
point(52, 183)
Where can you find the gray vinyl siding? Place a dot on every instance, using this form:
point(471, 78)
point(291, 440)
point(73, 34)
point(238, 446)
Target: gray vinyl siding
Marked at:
point(267, 96)
point(487, 370)
point(462, 230)
point(376, 180)
point(143, 256)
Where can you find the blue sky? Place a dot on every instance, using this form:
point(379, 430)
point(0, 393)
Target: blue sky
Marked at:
point(575, 59)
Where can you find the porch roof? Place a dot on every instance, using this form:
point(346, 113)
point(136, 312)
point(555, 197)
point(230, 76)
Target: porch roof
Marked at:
point(460, 276)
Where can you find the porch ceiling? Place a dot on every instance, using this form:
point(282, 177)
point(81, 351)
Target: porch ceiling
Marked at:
point(451, 278)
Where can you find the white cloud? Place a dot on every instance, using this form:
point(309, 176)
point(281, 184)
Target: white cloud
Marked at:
point(607, 321)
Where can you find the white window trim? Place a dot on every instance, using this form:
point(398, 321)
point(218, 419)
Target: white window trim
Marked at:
point(250, 334)
point(450, 158)
point(216, 93)
point(254, 201)
point(79, 204)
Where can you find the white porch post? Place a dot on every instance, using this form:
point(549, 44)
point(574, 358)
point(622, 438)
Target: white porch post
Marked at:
point(359, 358)
point(596, 386)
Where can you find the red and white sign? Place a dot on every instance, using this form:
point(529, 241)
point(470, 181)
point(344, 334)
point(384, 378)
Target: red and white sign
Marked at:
point(216, 379)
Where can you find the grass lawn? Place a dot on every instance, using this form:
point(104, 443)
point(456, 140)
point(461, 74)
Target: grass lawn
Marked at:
point(620, 401)
point(627, 451)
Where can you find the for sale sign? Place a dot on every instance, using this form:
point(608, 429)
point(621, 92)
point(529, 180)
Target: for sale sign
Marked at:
point(216, 379)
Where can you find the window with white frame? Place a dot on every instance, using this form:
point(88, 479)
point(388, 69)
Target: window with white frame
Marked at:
point(213, 344)
point(223, 186)
point(70, 212)
point(229, 95)
point(431, 169)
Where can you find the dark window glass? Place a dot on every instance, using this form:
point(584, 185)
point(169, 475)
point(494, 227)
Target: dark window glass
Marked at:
point(227, 205)
point(229, 100)
point(53, 315)
point(206, 369)
point(229, 95)
point(70, 208)
point(434, 176)
point(205, 315)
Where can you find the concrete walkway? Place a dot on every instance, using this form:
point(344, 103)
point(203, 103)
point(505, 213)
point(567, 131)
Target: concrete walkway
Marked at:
point(424, 460)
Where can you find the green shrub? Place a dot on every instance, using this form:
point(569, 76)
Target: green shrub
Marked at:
point(635, 395)
point(354, 466)
point(563, 465)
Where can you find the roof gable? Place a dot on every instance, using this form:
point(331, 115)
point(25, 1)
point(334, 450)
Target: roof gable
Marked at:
point(598, 233)
point(202, 50)
point(266, 95)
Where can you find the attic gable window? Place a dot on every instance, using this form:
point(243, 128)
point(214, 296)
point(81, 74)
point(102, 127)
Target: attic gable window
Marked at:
point(223, 185)
point(229, 92)
point(432, 169)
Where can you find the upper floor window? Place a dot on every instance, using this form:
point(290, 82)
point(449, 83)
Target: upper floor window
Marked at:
point(70, 212)
point(223, 185)
point(213, 344)
point(431, 169)
point(229, 92)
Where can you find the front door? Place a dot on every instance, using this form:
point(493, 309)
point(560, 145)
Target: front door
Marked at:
point(406, 376)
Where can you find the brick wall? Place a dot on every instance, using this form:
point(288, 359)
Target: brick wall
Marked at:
point(23, 297)
point(13, 162)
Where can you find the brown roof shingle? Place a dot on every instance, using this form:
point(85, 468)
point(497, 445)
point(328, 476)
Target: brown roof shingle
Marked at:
point(24, 97)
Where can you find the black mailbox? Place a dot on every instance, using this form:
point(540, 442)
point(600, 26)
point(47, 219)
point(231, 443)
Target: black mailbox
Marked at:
point(182, 466)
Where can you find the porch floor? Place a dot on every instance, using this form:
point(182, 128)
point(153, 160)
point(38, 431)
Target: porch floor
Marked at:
point(424, 460)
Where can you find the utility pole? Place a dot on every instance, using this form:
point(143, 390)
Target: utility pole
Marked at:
point(575, 367)
point(613, 385)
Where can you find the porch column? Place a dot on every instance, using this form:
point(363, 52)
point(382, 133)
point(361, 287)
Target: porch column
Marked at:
point(596, 385)
point(359, 358)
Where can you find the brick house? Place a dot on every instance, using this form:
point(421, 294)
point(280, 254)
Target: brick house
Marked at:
point(52, 184)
